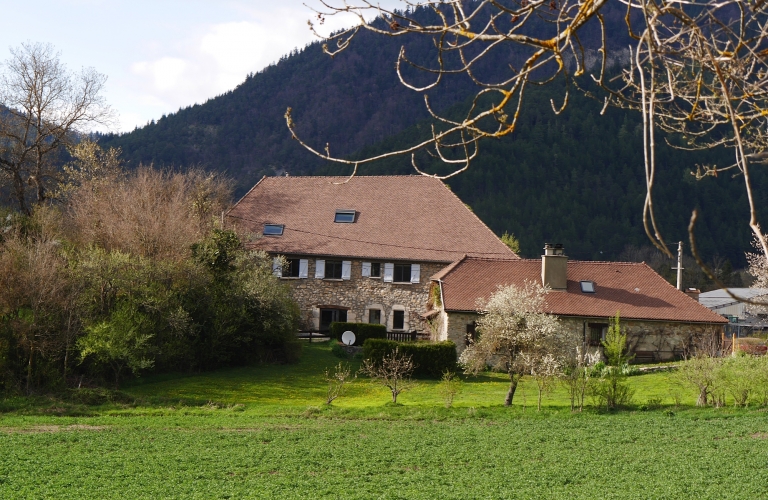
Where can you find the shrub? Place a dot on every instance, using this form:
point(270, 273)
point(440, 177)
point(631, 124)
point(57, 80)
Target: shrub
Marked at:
point(431, 359)
point(362, 331)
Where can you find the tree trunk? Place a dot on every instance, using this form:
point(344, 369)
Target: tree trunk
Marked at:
point(29, 370)
point(538, 408)
point(513, 378)
point(702, 401)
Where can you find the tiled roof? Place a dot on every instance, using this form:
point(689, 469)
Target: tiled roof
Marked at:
point(635, 290)
point(413, 218)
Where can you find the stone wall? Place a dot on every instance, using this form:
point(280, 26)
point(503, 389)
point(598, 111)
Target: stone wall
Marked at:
point(662, 339)
point(360, 294)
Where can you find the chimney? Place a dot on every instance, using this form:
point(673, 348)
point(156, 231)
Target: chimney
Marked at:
point(693, 293)
point(554, 267)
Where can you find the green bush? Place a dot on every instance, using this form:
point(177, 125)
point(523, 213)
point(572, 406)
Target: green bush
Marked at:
point(431, 358)
point(362, 331)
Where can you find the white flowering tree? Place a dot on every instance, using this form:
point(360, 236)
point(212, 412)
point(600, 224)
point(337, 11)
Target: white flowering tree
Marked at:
point(517, 336)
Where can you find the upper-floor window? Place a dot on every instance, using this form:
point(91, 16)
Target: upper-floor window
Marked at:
point(587, 286)
point(273, 229)
point(333, 269)
point(402, 273)
point(292, 268)
point(345, 216)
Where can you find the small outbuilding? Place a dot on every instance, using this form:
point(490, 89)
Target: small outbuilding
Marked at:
point(662, 322)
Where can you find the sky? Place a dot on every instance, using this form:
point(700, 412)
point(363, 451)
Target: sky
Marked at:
point(160, 55)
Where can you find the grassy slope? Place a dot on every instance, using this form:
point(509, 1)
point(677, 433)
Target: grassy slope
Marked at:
point(267, 433)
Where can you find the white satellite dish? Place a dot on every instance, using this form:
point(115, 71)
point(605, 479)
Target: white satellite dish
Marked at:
point(348, 337)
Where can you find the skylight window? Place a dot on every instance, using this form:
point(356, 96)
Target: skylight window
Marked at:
point(273, 229)
point(345, 216)
point(587, 286)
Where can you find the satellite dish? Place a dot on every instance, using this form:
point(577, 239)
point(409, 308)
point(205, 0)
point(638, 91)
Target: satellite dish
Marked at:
point(348, 337)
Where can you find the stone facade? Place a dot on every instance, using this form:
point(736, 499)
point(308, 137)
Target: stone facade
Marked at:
point(360, 294)
point(659, 340)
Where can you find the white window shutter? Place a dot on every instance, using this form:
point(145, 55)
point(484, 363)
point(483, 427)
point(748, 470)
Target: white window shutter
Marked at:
point(346, 269)
point(415, 273)
point(277, 269)
point(366, 269)
point(303, 268)
point(389, 271)
point(320, 268)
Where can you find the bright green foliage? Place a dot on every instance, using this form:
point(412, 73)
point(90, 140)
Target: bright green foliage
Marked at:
point(615, 343)
point(512, 242)
point(362, 331)
point(431, 359)
point(122, 341)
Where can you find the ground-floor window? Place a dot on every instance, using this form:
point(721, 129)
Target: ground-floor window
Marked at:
point(471, 332)
point(596, 333)
point(328, 316)
point(374, 316)
point(398, 320)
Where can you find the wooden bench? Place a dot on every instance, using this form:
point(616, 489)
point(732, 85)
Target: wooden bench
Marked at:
point(644, 357)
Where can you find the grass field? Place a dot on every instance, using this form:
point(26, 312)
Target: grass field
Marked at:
point(263, 432)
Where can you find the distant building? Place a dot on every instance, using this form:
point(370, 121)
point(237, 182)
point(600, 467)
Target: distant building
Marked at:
point(721, 302)
point(661, 321)
point(362, 249)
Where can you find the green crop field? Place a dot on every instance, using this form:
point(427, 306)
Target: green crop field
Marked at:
point(264, 432)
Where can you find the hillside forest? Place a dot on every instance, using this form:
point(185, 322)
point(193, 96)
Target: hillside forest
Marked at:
point(576, 178)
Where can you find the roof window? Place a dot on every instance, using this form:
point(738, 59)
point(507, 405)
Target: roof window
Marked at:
point(345, 216)
point(587, 286)
point(273, 229)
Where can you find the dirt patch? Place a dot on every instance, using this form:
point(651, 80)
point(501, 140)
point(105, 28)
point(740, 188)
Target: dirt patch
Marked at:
point(41, 429)
point(760, 435)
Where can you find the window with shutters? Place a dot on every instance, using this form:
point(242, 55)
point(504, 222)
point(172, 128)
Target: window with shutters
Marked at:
point(291, 269)
point(333, 269)
point(402, 273)
point(375, 269)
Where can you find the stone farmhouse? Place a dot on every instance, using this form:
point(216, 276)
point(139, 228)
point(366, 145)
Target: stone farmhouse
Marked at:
point(362, 249)
point(661, 321)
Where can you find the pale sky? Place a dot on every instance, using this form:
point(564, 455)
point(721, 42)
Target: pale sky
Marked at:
point(160, 55)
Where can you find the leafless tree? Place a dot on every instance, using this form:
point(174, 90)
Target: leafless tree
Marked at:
point(43, 106)
point(393, 372)
point(337, 381)
point(696, 68)
point(149, 213)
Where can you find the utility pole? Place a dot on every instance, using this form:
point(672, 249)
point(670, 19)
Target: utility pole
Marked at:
point(679, 266)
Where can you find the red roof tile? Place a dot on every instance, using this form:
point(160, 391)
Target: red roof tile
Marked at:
point(635, 290)
point(398, 217)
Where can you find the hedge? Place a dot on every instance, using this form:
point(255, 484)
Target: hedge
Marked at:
point(431, 358)
point(362, 331)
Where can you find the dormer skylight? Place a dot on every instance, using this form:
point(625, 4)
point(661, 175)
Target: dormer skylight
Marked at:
point(587, 286)
point(345, 216)
point(273, 229)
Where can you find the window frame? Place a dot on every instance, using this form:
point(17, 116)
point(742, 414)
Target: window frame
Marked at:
point(380, 268)
point(592, 328)
point(395, 313)
point(345, 213)
point(586, 285)
point(290, 266)
point(336, 265)
point(406, 275)
point(370, 313)
point(281, 227)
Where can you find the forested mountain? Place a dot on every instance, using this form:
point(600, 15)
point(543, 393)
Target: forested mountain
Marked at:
point(576, 178)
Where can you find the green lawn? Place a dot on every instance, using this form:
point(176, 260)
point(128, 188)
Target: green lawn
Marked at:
point(263, 432)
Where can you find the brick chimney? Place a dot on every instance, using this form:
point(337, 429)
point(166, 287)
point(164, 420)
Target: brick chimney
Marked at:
point(693, 293)
point(554, 267)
